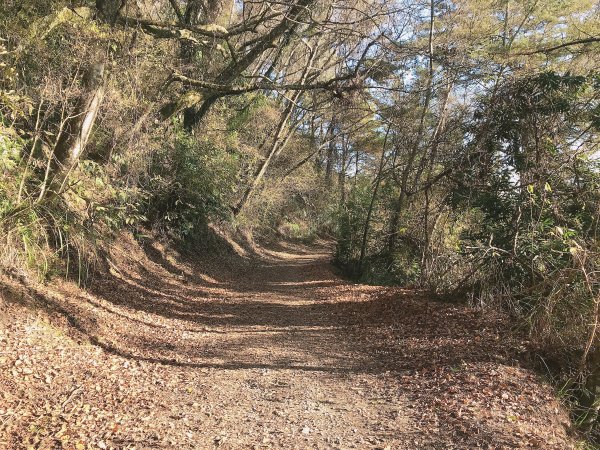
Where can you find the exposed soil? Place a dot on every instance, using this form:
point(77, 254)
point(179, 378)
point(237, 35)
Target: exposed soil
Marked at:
point(269, 351)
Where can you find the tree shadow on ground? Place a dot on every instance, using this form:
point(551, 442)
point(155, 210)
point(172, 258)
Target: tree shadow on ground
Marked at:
point(295, 307)
point(394, 332)
point(297, 315)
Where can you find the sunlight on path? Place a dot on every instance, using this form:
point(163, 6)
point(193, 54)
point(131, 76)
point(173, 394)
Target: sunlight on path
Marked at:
point(277, 352)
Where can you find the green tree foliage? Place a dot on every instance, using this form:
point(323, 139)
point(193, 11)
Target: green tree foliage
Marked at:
point(188, 185)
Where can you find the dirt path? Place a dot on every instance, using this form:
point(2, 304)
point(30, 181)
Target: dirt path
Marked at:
point(277, 352)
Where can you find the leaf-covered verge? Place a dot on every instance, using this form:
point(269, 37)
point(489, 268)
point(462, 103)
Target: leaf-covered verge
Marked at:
point(444, 145)
point(269, 349)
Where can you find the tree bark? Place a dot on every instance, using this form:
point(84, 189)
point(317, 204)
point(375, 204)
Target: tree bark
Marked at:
point(278, 144)
point(109, 10)
point(342, 174)
point(363, 246)
point(329, 160)
point(76, 129)
point(290, 22)
point(402, 196)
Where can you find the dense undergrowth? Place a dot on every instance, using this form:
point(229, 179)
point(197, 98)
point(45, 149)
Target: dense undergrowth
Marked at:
point(514, 226)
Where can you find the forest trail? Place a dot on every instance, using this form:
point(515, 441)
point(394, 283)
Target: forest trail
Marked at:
point(275, 352)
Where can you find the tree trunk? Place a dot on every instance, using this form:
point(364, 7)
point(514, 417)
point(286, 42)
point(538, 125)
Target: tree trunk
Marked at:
point(289, 24)
point(278, 143)
point(434, 144)
point(219, 11)
point(109, 9)
point(363, 247)
point(342, 174)
point(262, 168)
point(76, 129)
point(593, 388)
point(330, 153)
point(395, 220)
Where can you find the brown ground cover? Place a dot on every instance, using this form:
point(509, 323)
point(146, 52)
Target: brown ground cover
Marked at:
point(272, 350)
